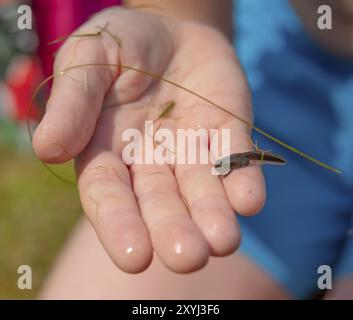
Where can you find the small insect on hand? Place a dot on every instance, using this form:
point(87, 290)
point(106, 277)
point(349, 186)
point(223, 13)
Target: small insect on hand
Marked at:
point(167, 109)
point(226, 165)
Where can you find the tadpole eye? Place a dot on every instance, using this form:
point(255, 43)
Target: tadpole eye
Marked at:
point(218, 164)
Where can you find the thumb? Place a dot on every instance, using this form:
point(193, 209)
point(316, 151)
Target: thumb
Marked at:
point(78, 92)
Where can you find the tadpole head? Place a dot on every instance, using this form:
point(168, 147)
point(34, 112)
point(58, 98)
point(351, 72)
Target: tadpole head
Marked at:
point(222, 166)
point(218, 164)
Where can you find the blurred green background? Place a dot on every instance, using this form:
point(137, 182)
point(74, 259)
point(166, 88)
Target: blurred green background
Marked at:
point(37, 212)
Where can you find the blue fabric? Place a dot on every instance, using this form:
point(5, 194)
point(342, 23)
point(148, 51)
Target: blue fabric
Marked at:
point(304, 96)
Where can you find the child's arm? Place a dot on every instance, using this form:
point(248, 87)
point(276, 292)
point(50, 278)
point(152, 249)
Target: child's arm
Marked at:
point(218, 14)
point(181, 212)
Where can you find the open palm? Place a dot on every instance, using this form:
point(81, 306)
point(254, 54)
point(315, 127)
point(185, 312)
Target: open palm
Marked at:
point(181, 211)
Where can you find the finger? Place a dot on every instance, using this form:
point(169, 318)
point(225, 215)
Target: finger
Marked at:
point(108, 200)
point(209, 207)
point(245, 187)
point(175, 238)
point(77, 95)
point(75, 102)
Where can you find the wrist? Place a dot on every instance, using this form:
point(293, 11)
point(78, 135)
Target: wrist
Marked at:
point(214, 13)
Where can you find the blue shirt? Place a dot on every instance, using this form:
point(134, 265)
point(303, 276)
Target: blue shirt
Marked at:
point(302, 95)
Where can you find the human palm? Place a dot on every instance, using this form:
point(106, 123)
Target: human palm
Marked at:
point(182, 211)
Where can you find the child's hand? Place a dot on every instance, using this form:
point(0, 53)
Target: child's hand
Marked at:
point(138, 209)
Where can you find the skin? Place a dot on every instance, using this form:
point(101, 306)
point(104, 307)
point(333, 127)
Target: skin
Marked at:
point(216, 14)
point(84, 271)
point(134, 210)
